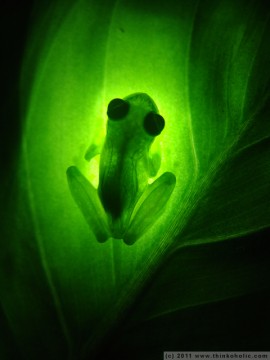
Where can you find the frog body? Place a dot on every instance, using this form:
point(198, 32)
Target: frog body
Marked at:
point(125, 205)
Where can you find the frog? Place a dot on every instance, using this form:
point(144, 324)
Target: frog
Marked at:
point(126, 203)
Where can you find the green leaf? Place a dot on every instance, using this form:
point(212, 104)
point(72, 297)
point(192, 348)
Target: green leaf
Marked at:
point(207, 299)
point(206, 65)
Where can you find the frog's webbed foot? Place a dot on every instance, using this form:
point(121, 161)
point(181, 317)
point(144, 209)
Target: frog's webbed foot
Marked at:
point(150, 206)
point(86, 197)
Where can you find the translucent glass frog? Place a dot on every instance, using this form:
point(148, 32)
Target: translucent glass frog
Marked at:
point(125, 205)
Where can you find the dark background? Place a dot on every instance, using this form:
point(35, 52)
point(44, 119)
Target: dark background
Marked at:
point(15, 20)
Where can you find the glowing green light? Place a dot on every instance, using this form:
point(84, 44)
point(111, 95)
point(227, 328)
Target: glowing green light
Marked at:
point(204, 65)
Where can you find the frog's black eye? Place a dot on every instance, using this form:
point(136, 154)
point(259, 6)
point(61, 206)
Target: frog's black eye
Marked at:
point(153, 124)
point(117, 109)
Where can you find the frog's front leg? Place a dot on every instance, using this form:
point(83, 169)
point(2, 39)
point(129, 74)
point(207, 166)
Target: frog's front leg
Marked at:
point(150, 206)
point(92, 151)
point(87, 199)
point(154, 164)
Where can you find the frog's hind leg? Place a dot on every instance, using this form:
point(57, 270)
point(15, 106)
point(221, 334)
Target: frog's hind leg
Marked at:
point(86, 197)
point(150, 206)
